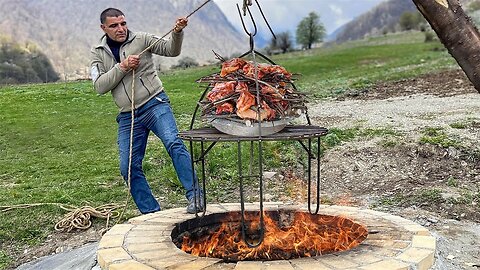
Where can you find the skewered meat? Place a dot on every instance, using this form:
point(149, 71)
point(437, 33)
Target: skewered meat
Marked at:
point(246, 105)
point(278, 70)
point(249, 70)
point(275, 94)
point(226, 107)
point(234, 92)
point(221, 90)
point(232, 66)
point(246, 99)
point(270, 112)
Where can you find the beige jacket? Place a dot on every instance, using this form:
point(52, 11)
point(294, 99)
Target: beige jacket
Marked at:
point(108, 77)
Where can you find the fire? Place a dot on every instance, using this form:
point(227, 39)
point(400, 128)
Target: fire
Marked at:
point(297, 235)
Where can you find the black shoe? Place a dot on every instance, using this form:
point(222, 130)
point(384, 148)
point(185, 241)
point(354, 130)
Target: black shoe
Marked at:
point(191, 209)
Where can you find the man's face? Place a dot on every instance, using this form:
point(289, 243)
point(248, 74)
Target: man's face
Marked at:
point(116, 28)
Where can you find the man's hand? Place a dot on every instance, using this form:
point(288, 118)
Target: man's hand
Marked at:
point(180, 24)
point(131, 62)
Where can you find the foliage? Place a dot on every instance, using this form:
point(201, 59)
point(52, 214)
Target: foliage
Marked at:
point(283, 42)
point(24, 65)
point(5, 260)
point(186, 62)
point(473, 6)
point(412, 20)
point(310, 30)
point(429, 36)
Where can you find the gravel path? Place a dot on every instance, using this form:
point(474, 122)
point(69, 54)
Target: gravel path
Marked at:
point(405, 114)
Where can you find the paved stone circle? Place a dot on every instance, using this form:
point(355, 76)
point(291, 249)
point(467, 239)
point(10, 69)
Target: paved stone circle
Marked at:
point(145, 243)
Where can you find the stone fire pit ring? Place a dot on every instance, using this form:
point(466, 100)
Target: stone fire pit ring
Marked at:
point(145, 243)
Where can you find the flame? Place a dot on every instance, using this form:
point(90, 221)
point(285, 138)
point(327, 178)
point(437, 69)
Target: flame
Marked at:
point(305, 235)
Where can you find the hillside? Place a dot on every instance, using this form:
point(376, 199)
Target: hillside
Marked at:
point(383, 18)
point(65, 30)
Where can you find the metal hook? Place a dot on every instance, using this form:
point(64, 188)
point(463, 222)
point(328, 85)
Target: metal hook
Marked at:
point(243, 21)
point(261, 229)
point(265, 19)
point(250, 34)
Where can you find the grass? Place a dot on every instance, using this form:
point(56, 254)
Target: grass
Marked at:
point(337, 136)
point(436, 136)
point(58, 141)
point(332, 71)
point(418, 197)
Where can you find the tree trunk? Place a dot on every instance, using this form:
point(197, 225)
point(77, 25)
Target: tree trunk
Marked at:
point(457, 33)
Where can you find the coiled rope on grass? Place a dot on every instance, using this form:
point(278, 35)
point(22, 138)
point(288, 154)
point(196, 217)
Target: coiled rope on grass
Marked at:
point(77, 217)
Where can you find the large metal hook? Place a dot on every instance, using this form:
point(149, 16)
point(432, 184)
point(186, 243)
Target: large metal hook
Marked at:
point(250, 34)
point(246, 5)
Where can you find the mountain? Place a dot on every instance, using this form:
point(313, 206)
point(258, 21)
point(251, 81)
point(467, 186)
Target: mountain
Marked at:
point(384, 16)
point(66, 30)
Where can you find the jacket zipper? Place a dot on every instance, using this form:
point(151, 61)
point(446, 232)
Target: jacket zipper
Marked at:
point(141, 80)
point(126, 92)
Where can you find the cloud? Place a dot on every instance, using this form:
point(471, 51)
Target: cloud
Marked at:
point(336, 10)
point(339, 16)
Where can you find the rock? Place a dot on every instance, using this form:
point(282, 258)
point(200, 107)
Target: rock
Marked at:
point(432, 220)
point(269, 175)
point(83, 258)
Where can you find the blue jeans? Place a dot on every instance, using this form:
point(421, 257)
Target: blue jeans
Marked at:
point(156, 116)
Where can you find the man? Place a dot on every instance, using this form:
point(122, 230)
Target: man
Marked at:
point(113, 61)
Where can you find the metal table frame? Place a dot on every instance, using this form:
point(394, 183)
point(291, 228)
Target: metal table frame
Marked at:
point(211, 136)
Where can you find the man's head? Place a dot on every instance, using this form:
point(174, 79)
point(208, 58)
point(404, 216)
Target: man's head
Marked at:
point(113, 24)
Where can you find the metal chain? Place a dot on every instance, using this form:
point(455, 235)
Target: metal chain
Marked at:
point(245, 4)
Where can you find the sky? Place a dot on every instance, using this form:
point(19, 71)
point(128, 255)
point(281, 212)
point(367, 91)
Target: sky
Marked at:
point(284, 15)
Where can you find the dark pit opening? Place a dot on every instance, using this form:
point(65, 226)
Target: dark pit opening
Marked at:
point(288, 235)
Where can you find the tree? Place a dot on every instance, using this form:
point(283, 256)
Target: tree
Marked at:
point(310, 30)
point(407, 21)
point(24, 65)
point(284, 42)
point(457, 33)
point(412, 20)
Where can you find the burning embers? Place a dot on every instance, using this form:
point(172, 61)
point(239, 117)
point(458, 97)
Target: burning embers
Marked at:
point(288, 235)
point(233, 92)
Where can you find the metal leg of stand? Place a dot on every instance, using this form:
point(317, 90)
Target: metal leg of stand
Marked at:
point(242, 203)
point(194, 180)
point(204, 184)
point(309, 173)
point(250, 167)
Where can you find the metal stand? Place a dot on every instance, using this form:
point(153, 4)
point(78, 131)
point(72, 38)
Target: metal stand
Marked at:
point(304, 134)
point(213, 136)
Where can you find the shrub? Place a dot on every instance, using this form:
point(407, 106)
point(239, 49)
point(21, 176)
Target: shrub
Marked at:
point(186, 62)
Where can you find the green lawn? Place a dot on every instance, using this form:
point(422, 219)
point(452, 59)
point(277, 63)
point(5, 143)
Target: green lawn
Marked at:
point(58, 141)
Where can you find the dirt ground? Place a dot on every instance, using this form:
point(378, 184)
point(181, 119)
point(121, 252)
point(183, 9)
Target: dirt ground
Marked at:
point(436, 186)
